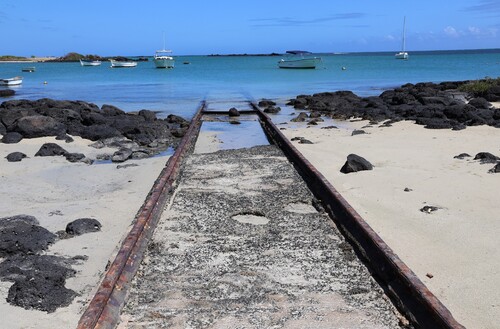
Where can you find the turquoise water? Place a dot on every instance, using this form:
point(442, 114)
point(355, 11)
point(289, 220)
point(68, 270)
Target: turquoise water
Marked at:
point(226, 78)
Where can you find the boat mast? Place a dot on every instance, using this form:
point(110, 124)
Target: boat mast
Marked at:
point(404, 34)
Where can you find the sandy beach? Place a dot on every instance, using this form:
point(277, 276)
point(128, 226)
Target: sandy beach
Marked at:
point(57, 192)
point(453, 250)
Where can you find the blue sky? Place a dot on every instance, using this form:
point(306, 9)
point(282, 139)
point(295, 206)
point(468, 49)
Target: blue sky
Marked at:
point(107, 28)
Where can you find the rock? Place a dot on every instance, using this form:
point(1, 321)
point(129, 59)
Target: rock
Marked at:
point(234, 122)
point(74, 157)
point(20, 218)
point(65, 137)
point(272, 109)
point(330, 127)
point(50, 149)
point(110, 110)
point(407, 189)
point(480, 103)
point(461, 156)
point(355, 163)
point(300, 118)
point(83, 225)
point(15, 156)
point(7, 92)
point(38, 281)
point(428, 209)
point(358, 132)
point(39, 126)
point(149, 116)
point(121, 155)
point(495, 169)
point(20, 236)
point(266, 103)
point(486, 157)
point(12, 137)
point(305, 141)
point(233, 112)
point(172, 118)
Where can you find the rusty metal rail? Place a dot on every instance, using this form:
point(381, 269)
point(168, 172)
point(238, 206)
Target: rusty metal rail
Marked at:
point(410, 295)
point(104, 309)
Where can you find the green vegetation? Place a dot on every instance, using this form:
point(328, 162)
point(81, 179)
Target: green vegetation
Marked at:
point(13, 58)
point(480, 88)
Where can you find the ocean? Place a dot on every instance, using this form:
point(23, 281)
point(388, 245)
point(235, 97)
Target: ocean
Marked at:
point(226, 79)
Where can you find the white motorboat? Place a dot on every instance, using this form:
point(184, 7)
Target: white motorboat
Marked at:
point(11, 81)
point(163, 60)
point(115, 63)
point(403, 54)
point(299, 59)
point(89, 62)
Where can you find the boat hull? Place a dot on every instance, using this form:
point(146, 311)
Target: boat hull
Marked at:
point(122, 63)
point(164, 62)
point(402, 55)
point(11, 81)
point(304, 63)
point(90, 63)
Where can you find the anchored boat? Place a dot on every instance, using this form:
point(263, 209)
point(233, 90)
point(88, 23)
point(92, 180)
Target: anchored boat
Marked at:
point(89, 62)
point(403, 54)
point(299, 59)
point(11, 81)
point(115, 63)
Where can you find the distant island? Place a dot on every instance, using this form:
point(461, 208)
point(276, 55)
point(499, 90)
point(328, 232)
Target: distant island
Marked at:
point(70, 57)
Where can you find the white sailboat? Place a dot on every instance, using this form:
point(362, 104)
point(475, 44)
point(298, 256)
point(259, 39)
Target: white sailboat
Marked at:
point(162, 59)
point(403, 54)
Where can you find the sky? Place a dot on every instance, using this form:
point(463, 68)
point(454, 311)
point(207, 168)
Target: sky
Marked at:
point(192, 27)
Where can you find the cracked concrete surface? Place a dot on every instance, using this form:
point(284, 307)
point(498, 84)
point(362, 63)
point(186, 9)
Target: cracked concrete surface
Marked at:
point(240, 246)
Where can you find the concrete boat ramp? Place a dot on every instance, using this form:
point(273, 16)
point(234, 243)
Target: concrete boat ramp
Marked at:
point(240, 244)
point(240, 232)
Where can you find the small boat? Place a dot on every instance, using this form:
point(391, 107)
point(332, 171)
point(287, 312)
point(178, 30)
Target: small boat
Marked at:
point(163, 60)
point(299, 59)
point(403, 54)
point(89, 62)
point(11, 81)
point(115, 63)
point(28, 69)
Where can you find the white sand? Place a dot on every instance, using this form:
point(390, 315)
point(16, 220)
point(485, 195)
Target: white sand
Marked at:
point(57, 192)
point(457, 244)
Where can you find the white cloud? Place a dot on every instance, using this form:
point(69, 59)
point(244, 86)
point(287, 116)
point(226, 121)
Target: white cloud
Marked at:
point(451, 32)
point(474, 30)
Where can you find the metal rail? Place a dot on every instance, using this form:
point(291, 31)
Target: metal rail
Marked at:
point(410, 295)
point(104, 309)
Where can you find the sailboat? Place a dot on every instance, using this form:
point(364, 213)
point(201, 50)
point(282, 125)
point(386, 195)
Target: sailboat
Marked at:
point(162, 58)
point(403, 54)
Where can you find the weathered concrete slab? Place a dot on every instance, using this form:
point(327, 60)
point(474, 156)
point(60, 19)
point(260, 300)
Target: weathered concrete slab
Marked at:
point(241, 246)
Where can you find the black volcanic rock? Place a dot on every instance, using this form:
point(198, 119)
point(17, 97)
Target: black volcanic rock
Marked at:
point(50, 149)
point(7, 92)
point(12, 137)
point(83, 225)
point(355, 163)
point(15, 156)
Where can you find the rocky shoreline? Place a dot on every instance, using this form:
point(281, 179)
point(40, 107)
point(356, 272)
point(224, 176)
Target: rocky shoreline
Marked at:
point(135, 135)
point(435, 106)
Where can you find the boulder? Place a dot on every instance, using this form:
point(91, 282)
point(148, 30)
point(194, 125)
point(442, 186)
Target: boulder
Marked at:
point(50, 149)
point(300, 118)
point(148, 115)
point(355, 163)
point(15, 156)
point(486, 157)
point(233, 112)
point(7, 92)
point(83, 225)
point(272, 109)
point(19, 236)
point(12, 137)
point(121, 155)
point(39, 126)
point(266, 103)
point(495, 169)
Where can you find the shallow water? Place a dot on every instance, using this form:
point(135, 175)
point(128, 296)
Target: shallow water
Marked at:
point(223, 80)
